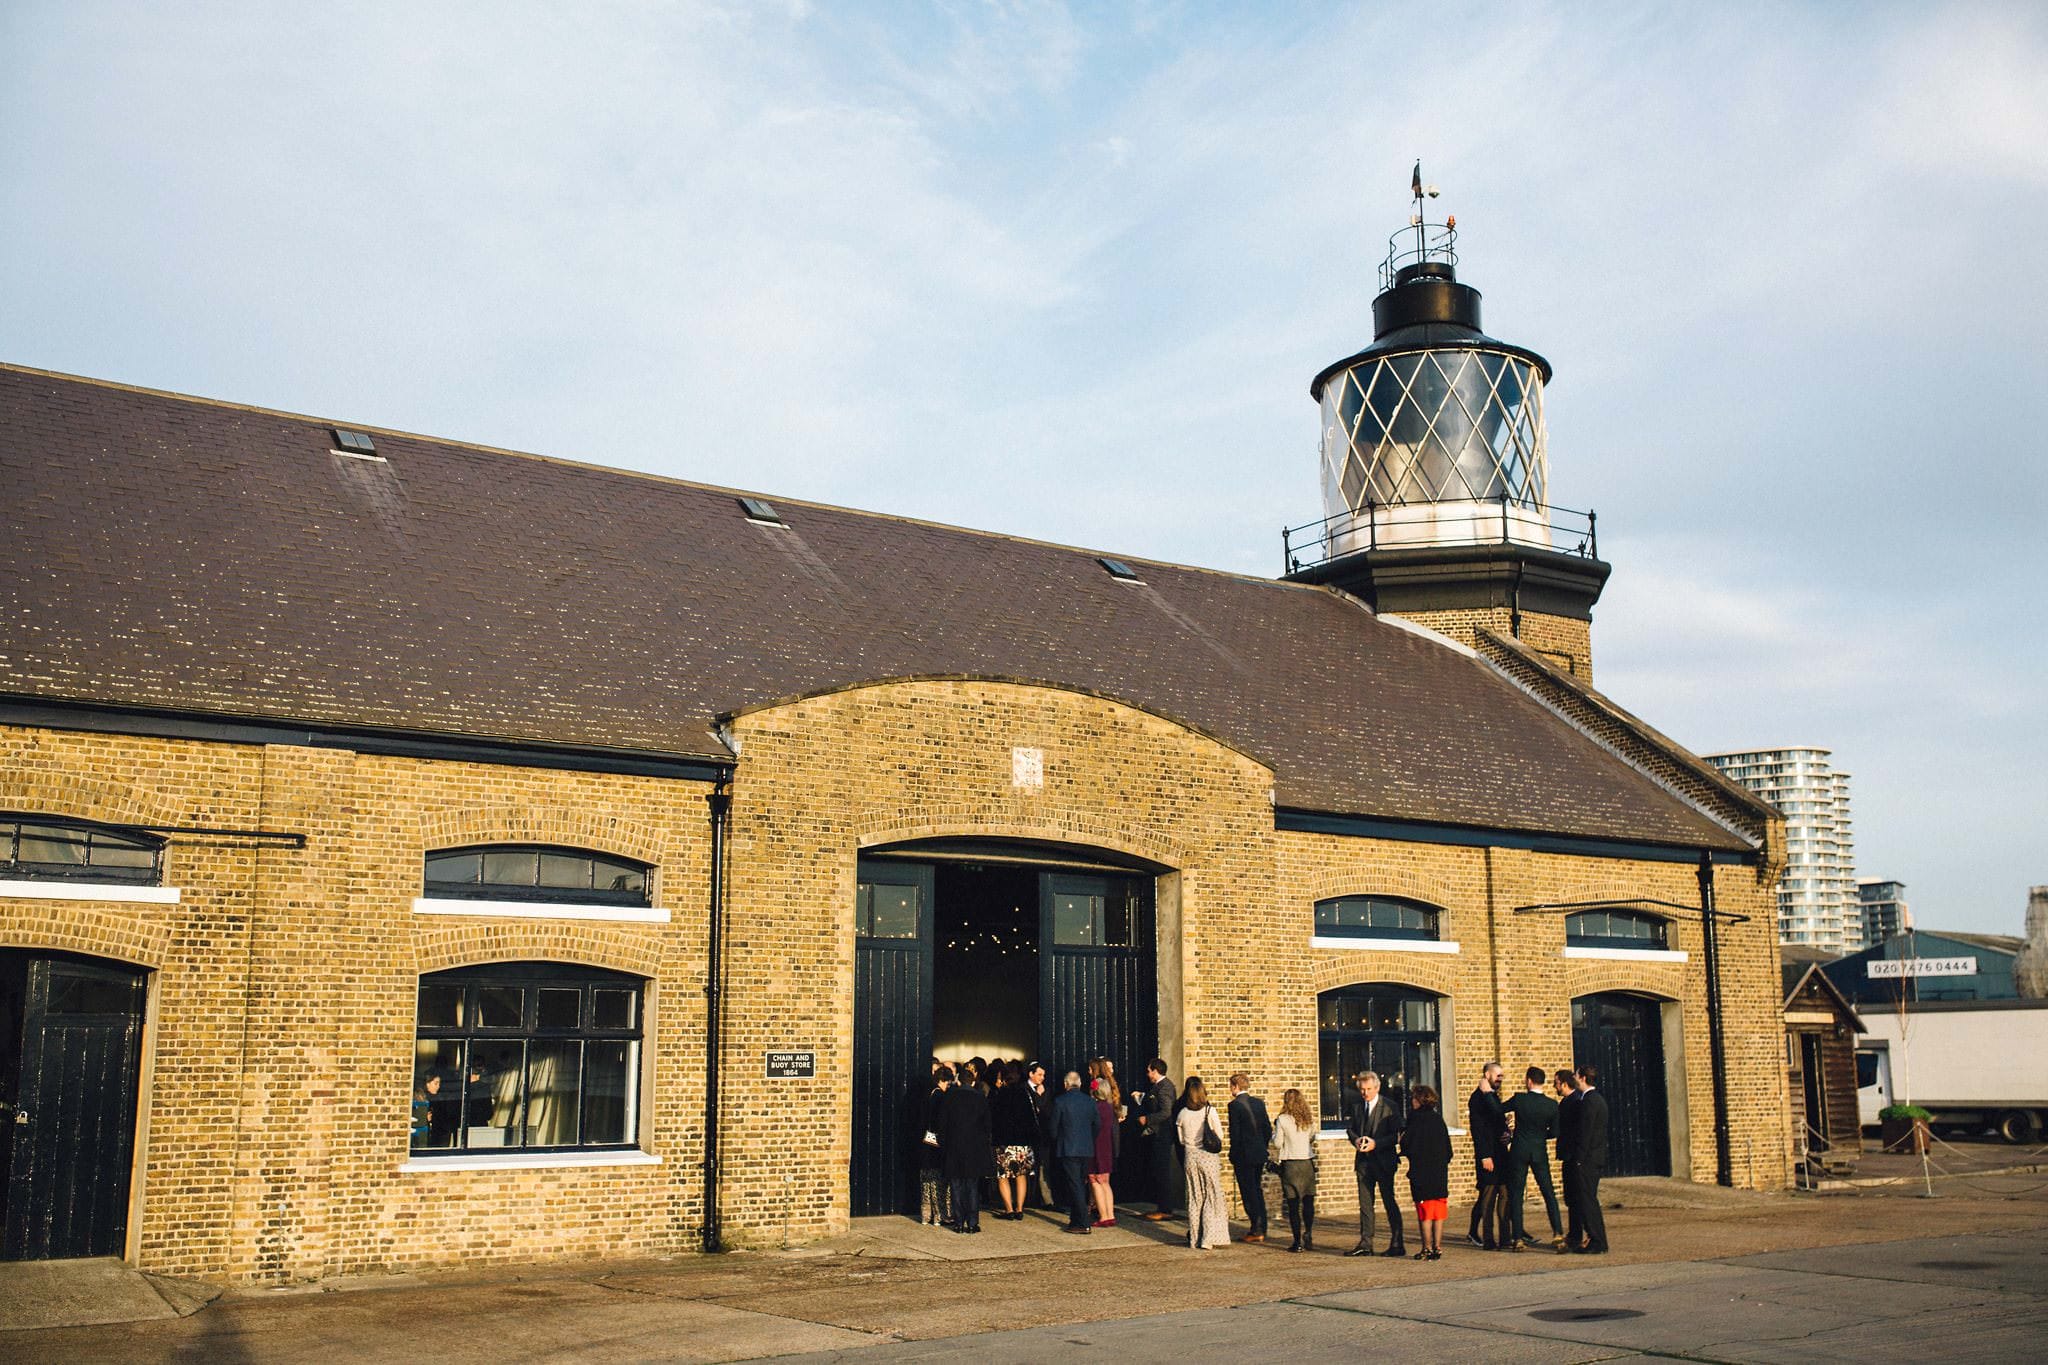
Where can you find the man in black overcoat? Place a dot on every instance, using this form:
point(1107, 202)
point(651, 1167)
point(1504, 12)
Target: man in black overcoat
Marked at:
point(1250, 1132)
point(1588, 1161)
point(968, 1153)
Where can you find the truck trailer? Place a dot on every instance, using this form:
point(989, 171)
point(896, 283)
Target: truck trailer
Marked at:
point(1975, 1065)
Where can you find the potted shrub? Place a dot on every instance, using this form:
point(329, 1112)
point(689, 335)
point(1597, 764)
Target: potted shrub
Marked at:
point(1904, 1128)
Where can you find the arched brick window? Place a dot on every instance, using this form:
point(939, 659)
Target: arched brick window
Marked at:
point(1392, 1029)
point(535, 872)
point(539, 1056)
point(54, 848)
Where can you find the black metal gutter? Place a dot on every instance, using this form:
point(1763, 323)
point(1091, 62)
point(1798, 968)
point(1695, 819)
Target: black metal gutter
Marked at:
point(719, 803)
point(152, 723)
point(1476, 836)
point(1717, 1053)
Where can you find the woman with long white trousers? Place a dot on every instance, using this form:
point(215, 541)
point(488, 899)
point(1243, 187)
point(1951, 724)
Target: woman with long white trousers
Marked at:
point(1201, 1140)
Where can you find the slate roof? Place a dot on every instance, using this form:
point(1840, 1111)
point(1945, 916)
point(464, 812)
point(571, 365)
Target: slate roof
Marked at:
point(172, 552)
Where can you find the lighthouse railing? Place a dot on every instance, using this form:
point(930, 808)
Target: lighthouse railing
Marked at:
point(1501, 520)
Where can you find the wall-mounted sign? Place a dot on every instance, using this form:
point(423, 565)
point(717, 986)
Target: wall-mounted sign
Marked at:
point(1891, 969)
point(792, 1066)
point(1027, 767)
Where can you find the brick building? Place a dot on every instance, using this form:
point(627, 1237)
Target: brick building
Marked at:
point(418, 853)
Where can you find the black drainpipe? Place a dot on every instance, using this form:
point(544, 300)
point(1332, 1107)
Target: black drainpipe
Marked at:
point(720, 803)
point(1716, 1047)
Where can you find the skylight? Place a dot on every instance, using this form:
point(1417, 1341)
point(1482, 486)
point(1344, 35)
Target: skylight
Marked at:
point(1118, 569)
point(354, 442)
point(763, 512)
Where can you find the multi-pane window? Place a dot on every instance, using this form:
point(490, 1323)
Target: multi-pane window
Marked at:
point(535, 872)
point(1615, 929)
point(43, 848)
point(886, 910)
point(1393, 1030)
point(1375, 917)
point(527, 1055)
point(1093, 913)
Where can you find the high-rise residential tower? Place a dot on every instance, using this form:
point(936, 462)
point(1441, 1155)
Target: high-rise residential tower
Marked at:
point(1885, 911)
point(1818, 904)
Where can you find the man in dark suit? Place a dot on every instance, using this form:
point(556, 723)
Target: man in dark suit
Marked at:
point(1156, 1123)
point(1535, 1124)
point(1566, 1083)
point(1487, 1120)
point(1374, 1127)
point(1588, 1161)
point(965, 1151)
point(1070, 1132)
point(1250, 1132)
point(1042, 1157)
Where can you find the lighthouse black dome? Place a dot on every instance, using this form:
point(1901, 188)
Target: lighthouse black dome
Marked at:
point(1426, 309)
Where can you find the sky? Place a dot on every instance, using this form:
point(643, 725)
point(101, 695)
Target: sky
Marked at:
point(1066, 271)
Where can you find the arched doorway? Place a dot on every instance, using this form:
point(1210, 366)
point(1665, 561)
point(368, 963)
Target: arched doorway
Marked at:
point(990, 948)
point(1622, 1034)
point(70, 1067)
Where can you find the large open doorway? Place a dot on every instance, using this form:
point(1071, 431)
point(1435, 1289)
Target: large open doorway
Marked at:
point(1623, 1035)
point(70, 1064)
point(1009, 951)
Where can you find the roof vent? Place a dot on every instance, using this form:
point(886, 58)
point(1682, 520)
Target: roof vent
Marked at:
point(762, 512)
point(354, 442)
point(1118, 569)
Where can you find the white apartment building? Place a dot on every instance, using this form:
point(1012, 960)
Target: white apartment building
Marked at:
point(1818, 903)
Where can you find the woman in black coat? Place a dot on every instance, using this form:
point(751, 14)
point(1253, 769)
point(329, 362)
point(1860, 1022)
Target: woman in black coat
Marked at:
point(1426, 1142)
point(965, 1150)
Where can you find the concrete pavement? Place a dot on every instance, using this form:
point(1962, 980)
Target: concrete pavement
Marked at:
point(1698, 1272)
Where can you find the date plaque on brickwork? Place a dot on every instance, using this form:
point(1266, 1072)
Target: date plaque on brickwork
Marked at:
point(792, 1066)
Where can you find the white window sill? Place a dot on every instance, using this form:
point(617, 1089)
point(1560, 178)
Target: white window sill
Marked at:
point(525, 1161)
point(1630, 954)
point(632, 914)
point(1382, 945)
point(90, 891)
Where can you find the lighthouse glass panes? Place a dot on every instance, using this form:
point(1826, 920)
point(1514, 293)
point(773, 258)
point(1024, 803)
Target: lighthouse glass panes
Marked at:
point(1431, 443)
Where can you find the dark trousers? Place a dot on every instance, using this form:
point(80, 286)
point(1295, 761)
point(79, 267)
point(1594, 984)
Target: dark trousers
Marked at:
point(967, 1202)
point(1377, 1181)
point(1251, 1188)
point(1582, 1202)
point(1074, 1175)
point(1519, 1171)
point(1165, 1172)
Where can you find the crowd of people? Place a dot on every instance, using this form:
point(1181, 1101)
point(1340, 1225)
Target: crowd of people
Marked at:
point(1002, 1123)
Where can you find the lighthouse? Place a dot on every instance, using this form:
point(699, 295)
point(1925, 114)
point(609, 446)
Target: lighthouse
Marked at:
point(1436, 467)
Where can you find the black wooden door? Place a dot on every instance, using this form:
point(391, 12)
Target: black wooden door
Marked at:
point(892, 1032)
point(1623, 1035)
point(73, 1116)
point(1097, 993)
point(1814, 1081)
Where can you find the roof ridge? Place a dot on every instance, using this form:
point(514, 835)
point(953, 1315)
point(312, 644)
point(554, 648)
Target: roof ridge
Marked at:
point(668, 479)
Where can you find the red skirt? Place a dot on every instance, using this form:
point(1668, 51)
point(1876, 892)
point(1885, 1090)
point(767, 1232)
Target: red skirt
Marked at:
point(1432, 1210)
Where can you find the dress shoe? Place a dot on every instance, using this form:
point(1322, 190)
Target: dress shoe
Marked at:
point(1083, 1231)
point(1512, 1246)
point(1421, 1255)
point(1360, 1250)
point(1396, 1251)
point(1436, 1255)
point(1156, 1217)
point(1255, 1236)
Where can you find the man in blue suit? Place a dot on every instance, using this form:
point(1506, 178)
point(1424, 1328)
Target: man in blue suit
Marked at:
point(1070, 1133)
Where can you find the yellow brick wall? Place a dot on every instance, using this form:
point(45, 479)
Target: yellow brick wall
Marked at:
point(279, 1067)
point(1565, 641)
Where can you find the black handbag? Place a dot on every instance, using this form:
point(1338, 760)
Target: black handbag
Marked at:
point(1212, 1141)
